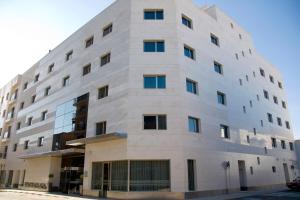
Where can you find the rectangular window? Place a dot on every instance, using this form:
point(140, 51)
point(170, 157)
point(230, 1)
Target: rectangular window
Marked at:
point(261, 123)
point(47, 91)
point(155, 122)
point(15, 147)
point(241, 82)
point(254, 131)
point(283, 104)
point(221, 98)
point(274, 143)
point(191, 175)
point(262, 72)
point(33, 98)
point(186, 21)
point(258, 160)
point(149, 175)
point(266, 94)
point(270, 117)
point(43, 116)
point(50, 68)
point(279, 122)
point(287, 125)
point(251, 170)
point(273, 169)
point(236, 56)
point(154, 46)
point(29, 121)
point(271, 79)
point(86, 69)
point(244, 109)
point(26, 144)
point(66, 81)
point(36, 78)
point(275, 99)
point(5, 153)
point(189, 52)
point(156, 81)
point(291, 146)
point(214, 39)
point(193, 124)
point(25, 86)
point(18, 126)
point(153, 14)
point(224, 131)
point(191, 86)
point(105, 59)
point(283, 144)
point(40, 141)
point(101, 128)
point(107, 30)
point(248, 139)
point(103, 92)
point(279, 84)
point(218, 67)
point(69, 55)
point(89, 42)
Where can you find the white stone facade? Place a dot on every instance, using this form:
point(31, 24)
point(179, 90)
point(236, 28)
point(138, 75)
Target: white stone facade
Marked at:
point(244, 113)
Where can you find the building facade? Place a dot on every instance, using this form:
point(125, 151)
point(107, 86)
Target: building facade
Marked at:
point(151, 98)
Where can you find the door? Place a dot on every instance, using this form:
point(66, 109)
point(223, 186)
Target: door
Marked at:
point(242, 175)
point(106, 179)
point(286, 173)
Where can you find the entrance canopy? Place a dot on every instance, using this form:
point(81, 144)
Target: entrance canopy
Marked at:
point(97, 138)
point(58, 153)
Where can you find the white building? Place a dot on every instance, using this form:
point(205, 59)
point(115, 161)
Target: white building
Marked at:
point(151, 99)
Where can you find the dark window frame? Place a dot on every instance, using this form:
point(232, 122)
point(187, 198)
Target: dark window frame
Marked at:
point(89, 41)
point(103, 92)
point(160, 122)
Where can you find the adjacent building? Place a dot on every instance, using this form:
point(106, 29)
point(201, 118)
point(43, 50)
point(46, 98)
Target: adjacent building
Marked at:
point(149, 99)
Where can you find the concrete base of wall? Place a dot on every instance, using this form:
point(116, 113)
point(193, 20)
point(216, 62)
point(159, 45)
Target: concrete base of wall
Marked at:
point(145, 195)
point(207, 193)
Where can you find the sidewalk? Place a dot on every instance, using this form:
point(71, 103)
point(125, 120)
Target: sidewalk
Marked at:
point(240, 194)
point(55, 195)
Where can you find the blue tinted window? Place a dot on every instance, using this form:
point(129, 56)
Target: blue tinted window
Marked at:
point(187, 22)
point(218, 68)
point(149, 14)
point(64, 117)
point(149, 46)
point(193, 125)
point(189, 52)
point(154, 15)
point(155, 82)
point(160, 14)
point(160, 46)
point(161, 82)
point(221, 98)
point(149, 82)
point(191, 86)
point(155, 46)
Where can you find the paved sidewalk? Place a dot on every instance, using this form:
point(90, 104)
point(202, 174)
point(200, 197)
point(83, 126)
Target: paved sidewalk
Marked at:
point(241, 194)
point(14, 194)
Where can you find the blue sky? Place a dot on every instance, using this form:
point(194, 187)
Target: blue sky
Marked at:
point(30, 28)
